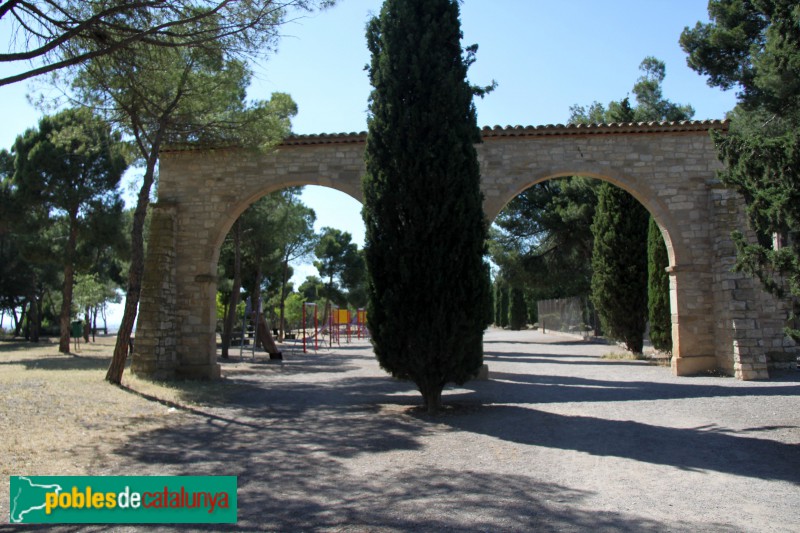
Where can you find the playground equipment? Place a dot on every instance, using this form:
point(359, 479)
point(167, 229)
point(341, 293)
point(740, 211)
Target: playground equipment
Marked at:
point(260, 331)
point(361, 324)
point(316, 326)
point(345, 322)
point(340, 322)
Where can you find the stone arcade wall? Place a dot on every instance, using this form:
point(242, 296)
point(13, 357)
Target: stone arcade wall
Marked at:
point(749, 322)
point(721, 320)
point(157, 327)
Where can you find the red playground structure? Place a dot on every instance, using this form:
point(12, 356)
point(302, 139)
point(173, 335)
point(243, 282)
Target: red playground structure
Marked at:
point(340, 323)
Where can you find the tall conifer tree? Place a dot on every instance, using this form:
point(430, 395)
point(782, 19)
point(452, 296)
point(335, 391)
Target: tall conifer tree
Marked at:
point(658, 289)
point(619, 266)
point(498, 300)
point(425, 227)
point(518, 318)
point(504, 306)
point(619, 233)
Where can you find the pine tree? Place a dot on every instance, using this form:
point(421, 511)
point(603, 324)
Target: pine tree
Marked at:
point(72, 165)
point(658, 289)
point(425, 227)
point(755, 48)
point(619, 266)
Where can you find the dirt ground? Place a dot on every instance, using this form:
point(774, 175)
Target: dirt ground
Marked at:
point(558, 439)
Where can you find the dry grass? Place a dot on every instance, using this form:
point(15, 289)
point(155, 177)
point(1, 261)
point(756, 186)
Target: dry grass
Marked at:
point(660, 359)
point(626, 356)
point(60, 417)
point(654, 358)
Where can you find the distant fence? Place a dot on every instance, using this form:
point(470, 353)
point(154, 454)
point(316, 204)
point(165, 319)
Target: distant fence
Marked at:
point(570, 315)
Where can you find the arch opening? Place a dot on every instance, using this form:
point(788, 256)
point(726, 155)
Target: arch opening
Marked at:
point(543, 245)
point(284, 261)
point(648, 198)
point(240, 205)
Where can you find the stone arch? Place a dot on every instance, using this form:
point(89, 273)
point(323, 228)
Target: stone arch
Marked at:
point(228, 219)
point(651, 202)
point(721, 319)
point(201, 192)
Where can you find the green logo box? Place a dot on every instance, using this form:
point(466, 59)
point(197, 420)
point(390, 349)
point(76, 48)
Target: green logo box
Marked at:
point(123, 500)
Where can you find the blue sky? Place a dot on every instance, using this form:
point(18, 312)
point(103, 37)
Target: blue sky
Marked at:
point(545, 55)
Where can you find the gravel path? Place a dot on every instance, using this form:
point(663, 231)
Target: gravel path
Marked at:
point(557, 440)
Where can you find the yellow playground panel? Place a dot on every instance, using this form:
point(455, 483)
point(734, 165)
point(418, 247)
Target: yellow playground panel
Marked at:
point(342, 316)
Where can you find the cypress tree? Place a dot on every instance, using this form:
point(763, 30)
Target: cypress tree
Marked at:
point(489, 310)
point(519, 310)
point(616, 315)
point(619, 266)
point(425, 227)
point(533, 307)
point(504, 307)
point(658, 289)
point(498, 297)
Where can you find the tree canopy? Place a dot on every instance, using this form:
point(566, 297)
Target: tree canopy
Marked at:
point(754, 47)
point(338, 262)
point(751, 46)
point(160, 94)
point(48, 35)
point(70, 169)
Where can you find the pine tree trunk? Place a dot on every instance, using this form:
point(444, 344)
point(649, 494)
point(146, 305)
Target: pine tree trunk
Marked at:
point(117, 367)
point(256, 299)
point(328, 307)
point(33, 319)
point(94, 324)
point(230, 317)
point(18, 323)
point(281, 325)
point(69, 278)
point(64, 315)
point(87, 324)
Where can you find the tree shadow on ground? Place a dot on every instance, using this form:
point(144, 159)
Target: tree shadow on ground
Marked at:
point(309, 456)
point(18, 344)
point(539, 388)
point(541, 342)
point(294, 475)
point(562, 360)
point(264, 366)
point(295, 363)
point(323, 497)
point(63, 362)
point(696, 449)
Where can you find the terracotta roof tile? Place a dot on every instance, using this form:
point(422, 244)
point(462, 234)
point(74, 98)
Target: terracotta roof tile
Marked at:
point(536, 131)
point(488, 132)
